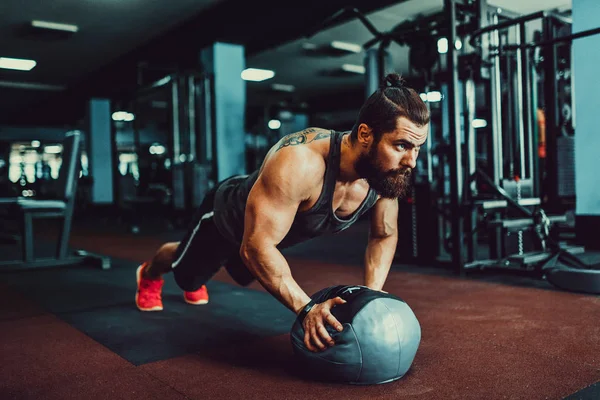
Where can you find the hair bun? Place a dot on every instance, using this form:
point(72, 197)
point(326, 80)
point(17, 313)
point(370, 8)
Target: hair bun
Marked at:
point(393, 80)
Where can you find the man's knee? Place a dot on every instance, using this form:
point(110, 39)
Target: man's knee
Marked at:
point(170, 247)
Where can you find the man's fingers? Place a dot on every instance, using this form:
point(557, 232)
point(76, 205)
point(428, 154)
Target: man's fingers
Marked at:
point(331, 320)
point(316, 340)
point(307, 342)
point(325, 335)
point(337, 300)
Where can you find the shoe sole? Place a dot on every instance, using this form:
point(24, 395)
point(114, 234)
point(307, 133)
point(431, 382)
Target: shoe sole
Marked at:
point(195, 303)
point(138, 276)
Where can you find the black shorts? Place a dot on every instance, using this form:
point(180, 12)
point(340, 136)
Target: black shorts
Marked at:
point(203, 251)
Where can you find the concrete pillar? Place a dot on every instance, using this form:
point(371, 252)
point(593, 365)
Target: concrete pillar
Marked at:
point(225, 62)
point(586, 59)
point(99, 151)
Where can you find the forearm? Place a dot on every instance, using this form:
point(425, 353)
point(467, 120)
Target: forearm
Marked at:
point(271, 269)
point(378, 259)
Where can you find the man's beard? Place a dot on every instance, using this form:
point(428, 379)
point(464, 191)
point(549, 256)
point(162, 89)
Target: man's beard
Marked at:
point(390, 184)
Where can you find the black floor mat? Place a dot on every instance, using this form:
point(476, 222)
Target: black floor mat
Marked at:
point(101, 304)
point(591, 392)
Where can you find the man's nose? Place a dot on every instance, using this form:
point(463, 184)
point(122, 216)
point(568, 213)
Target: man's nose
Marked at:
point(409, 160)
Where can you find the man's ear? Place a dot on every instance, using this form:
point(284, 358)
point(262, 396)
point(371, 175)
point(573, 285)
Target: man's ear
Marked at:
point(365, 135)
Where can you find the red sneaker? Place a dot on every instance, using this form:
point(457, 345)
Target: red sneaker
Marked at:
point(148, 295)
point(199, 296)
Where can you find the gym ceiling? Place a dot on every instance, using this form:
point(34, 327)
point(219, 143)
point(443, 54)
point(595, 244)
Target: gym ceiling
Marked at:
point(114, 37)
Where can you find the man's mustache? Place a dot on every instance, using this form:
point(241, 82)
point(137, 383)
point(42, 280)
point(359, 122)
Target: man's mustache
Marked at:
point(400, 172)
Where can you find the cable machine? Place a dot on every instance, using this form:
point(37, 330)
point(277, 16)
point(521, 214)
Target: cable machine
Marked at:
point(492, 190)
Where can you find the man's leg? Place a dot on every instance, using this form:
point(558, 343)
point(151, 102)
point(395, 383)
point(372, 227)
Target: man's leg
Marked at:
point(194, 255)
point(193, 262)
point(199, 256)
point(161, 262)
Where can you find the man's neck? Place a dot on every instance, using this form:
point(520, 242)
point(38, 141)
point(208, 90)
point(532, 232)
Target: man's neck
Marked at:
point(348, 157)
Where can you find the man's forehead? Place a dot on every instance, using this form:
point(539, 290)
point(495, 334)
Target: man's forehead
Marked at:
point(406, 129)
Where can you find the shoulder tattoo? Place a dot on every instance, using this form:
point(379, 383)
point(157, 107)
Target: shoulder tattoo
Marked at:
point(301, 137)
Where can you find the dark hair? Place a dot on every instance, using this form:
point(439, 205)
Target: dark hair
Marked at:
point(392, 100)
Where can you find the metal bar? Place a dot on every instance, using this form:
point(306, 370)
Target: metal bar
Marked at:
point(27, 237)
point(527, 111)
point(175, 120)
point(560, 18)
point(428, 145)
point(456, 173)
point(65, 231)
point(551, 42)
point(509, 132)
point(497, 26)
point(136, 129)
point(551, 115)
point(520, 124)
point(471, 139)
point(209, 119)
point(192, 130)
point(496, 105)
point(471, 238)
point(573, 94)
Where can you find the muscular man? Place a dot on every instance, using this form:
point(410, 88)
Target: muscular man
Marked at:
point(311, 183)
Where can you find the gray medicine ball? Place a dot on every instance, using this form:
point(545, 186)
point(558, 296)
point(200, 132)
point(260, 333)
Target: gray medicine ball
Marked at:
point(378, 344)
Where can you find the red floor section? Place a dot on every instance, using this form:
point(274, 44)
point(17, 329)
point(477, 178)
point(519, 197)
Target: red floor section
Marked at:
point(14, 305)
point(450, 368)
point(45, 358)
point(480, 341)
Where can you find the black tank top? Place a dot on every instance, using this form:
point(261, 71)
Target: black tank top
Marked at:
point(320, 219)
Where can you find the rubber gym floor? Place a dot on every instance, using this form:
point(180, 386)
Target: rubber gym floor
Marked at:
point(75, 333)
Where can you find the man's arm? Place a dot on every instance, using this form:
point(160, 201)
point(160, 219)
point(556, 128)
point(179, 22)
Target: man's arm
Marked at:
point(270, 210)
point(383, 238)
point(285, 181)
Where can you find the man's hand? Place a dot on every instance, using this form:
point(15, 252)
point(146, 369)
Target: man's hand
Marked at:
point(316, 337)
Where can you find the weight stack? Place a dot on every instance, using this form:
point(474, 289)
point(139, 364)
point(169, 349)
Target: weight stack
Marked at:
point(566, 166)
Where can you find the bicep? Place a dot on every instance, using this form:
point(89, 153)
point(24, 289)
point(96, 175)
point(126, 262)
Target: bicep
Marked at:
point(384, 218)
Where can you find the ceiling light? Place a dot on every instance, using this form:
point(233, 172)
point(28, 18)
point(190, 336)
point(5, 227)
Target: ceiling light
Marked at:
point(53, 149)
point(431, 97)
point(274, 124)
point(479, 123)
point(349, 47)
point(157, 149)
point(54, 26)
point(434, 97)
point(442, 45)
point(17, 63)
point(257, 75)
point(357, 69)
point(123, 116)
point(283, 88)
